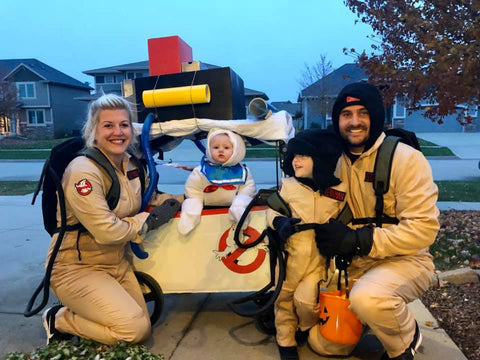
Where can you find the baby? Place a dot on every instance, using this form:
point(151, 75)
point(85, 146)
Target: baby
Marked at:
point(219, 180)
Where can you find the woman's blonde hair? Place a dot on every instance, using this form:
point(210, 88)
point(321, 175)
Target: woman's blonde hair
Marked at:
point(105, 102)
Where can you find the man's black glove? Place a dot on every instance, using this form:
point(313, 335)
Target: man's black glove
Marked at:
point(162, 213)
point(334, 238)
point(285, 226)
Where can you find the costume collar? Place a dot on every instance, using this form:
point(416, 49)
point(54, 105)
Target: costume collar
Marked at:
point(219, 175)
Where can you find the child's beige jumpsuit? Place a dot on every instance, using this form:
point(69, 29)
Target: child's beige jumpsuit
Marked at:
point(294, 307)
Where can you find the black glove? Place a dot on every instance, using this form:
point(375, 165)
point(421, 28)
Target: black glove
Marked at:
point(162, 213)
point(334, 238)
point(285, 226)
point(342, 262)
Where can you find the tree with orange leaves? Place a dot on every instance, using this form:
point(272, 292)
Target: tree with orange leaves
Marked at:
point(426, 50)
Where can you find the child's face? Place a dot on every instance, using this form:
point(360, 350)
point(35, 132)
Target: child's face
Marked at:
point(303, 166)
point(221, 148)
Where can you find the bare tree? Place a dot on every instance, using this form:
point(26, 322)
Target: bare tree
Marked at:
point(315, 72)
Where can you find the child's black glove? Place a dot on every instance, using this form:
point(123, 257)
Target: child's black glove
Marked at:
point(285, 226)
point(161, 214)
point(334, 238)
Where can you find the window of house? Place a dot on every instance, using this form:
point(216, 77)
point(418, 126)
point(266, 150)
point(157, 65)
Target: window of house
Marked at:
point(26, 90)
point(399, 110)
point(109, 79)
point(119, 78)
point(100, 79)
point(134, 75)
point(36, 117)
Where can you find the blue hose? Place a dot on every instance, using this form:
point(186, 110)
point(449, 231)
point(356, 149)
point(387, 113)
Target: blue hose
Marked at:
point(152, 176)
point(200, 146)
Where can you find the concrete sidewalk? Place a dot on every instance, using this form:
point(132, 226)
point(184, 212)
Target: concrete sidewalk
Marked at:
point(192, 325)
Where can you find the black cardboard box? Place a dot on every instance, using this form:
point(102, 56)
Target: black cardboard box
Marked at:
point(227, 93)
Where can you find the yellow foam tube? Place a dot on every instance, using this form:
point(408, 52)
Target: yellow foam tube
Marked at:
point(183, 95)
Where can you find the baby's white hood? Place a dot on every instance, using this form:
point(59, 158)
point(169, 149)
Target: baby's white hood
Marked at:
point(238, 147)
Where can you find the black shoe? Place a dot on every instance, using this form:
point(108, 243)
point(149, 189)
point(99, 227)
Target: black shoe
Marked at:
point(288, 352)
point(49, 325)
point(409, 354)
point(301, 336)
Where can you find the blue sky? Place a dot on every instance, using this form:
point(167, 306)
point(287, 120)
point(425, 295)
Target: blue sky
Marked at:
point(266, 42)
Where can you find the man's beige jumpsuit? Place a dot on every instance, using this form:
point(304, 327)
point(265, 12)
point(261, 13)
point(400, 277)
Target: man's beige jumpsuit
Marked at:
point(294, 307)
point(91, 276)
point(399, 268)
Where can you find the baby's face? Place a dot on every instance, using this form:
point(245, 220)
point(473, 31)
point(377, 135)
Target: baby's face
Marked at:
point(303, 166)
point(221, 148)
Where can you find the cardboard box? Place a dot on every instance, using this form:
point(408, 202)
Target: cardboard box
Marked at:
point(226, 88)
point(166, 54)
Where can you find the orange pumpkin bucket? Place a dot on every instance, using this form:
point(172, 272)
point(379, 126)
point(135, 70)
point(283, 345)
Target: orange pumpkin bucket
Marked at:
point(337, 323)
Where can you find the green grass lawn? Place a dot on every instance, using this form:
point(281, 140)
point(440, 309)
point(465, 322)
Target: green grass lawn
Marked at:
point(17, 187)
point(9, 149)
point(467, 191)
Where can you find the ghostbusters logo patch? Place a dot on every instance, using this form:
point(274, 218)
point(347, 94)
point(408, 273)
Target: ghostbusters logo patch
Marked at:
point(84, 187)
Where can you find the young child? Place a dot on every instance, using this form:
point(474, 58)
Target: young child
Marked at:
point(314, 195)
point(219, 180)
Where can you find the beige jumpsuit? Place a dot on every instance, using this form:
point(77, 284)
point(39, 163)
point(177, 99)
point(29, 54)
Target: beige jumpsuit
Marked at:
point(294, 307)
point(91, 277)
point(399, 268)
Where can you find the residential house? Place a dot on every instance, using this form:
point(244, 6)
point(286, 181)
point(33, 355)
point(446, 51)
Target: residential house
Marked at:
point(294, 109)
point(47, 106)
point(318, 98)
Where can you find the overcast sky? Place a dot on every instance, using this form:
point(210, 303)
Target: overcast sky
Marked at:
point(266, 42)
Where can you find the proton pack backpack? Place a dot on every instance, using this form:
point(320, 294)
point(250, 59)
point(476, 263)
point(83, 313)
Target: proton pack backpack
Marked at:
point(51, 184)
point(51, 180)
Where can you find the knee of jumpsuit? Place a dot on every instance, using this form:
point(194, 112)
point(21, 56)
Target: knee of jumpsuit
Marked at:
point(305, 309)
point(370, 306)
point(136, 330)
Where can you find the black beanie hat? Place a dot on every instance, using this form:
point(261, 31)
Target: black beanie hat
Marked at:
point(365, 94)
point(324, 147)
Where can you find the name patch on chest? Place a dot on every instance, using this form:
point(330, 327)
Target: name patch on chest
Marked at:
point(132, 174)
point(334, 194)
point(369, 176)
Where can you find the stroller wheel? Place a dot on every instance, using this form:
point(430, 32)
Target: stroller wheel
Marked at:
point(266, 321)
point(153, 294)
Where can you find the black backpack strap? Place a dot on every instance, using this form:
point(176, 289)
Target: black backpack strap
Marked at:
point(382, 169)
point(113, 194)
point(141, 171)
point(276, 203)
point(345, 216)
point(372, 220)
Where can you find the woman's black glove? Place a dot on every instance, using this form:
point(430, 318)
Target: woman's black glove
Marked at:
point(161, 214)
point(285, 226)
point(334, 238)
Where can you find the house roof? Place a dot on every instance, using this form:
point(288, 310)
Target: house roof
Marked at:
point(255, 93)
point(335, 81)
point(139, 65)
point(288, 106)
point(8, 66)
